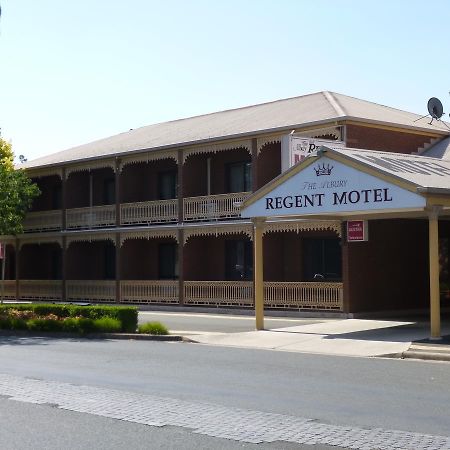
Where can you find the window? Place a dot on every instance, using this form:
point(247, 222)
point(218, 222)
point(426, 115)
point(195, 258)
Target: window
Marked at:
point(56, 264)
point(239, 177)
point(109, 191)
point(109, 262)
point(56, 197)
point(168, 261)
point(322, 259)
point(238, 260)
point(167, 185)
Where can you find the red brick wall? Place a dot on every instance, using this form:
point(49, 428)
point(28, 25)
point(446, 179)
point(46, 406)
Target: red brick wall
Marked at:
point(86, 260)
point(390, 271)
point(384, 140)
point(269, 163)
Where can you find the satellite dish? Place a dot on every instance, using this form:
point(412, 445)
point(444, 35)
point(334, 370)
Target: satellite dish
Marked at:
point(435, 108)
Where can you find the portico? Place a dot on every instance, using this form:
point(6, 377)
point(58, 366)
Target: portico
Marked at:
point(404, 191)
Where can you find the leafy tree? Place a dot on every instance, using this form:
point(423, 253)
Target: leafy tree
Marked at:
point(17, 192)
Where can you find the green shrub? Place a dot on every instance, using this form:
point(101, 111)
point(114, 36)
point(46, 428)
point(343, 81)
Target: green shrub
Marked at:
point(85, 325)
point(71, 325)
point(18, 324)
point(5, 323)
point(44, 325)
point(107, 325)
point(153, 328)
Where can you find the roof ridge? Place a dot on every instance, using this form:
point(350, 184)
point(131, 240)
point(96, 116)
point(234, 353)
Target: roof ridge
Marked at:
point(334, 103)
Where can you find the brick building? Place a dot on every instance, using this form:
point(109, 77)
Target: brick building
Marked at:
point(152, 215)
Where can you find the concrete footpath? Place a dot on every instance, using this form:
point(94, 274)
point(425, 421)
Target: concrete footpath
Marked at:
point(346, 337)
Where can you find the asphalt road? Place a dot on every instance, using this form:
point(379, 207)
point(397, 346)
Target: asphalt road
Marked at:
point(359, 392)
point(189, 323)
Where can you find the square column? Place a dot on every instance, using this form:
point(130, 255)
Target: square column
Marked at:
point(258, 271)
point(435, 305)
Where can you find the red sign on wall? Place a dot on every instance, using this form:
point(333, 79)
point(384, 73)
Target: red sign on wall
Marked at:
point(357, 231)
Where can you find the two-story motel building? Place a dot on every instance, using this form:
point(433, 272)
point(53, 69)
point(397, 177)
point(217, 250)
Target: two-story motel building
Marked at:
point(152, 216)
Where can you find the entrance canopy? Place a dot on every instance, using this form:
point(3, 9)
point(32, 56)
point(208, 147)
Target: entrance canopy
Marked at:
point(347, 183)
point(352, 183)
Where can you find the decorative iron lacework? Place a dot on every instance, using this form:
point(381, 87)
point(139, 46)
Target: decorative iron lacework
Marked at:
point(40, 240)
point(147, 157)
point(40, 173)
point(91, 165)
point(332, 225)
point(213, 148)
point(216, 231)
point(276, 139)
point(266, 140)
point(90, 238)
point(151, 234)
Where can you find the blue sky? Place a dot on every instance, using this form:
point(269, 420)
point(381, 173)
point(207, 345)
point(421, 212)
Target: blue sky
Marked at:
point(74, 72)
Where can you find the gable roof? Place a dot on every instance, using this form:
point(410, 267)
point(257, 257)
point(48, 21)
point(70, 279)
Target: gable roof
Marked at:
point(418, 174)
point(277, 116)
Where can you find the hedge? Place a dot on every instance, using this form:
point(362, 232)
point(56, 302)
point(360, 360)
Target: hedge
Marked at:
point(83, 318)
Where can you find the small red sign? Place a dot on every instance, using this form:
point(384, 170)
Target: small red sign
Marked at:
point(356, 231)
point(2, 251)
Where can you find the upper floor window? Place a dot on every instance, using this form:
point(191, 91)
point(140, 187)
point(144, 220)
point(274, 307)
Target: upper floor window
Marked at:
point(109, 191)
point(239, 177)
point(167, 185)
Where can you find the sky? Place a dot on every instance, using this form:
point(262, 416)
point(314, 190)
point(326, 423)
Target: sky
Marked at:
point(74, 72)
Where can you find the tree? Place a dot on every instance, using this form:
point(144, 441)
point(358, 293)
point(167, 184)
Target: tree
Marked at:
point(17, 192)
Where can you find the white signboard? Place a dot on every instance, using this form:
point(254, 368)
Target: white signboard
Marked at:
point(328, 186)
point(296, 148)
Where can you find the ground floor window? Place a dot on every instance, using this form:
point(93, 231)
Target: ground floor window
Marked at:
point(168, 261)
point(322, 259)
point(238, 260)
point(109, 262)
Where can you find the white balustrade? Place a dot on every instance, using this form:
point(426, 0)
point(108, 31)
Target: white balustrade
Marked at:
point(9, 289)
point(91, 290)
point(218, 293)
point(141, 213)
point(43, 220)
point(40, 289)
point(149, 291)
point(91, 217)
point(211, 207)
point(303, 295)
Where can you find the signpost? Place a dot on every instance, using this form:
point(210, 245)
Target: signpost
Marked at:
point(357, 231)
point(296, 148)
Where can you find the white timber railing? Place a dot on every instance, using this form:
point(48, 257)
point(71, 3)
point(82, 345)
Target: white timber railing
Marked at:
point(9, 289)
point(43, 220)
point(91, 290)
point(218, 293)
point(149, 291)
point(277, 294)
point(91, 217)
point(303, 295)
point(209, 207)
point(40, 289)
point(141, 213)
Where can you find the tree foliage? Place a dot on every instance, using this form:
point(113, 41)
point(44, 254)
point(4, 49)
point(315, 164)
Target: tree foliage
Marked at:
point(17, 192)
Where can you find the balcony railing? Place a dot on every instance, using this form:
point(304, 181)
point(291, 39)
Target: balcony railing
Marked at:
point(149, 291)
point(9, 289)
point(218, 293)
point(210, 207)
point(40, 289)
point(43, 220)
point(91, 217)
point(92, 290)
point(303, 295)
point(142, 213)
point(298, 295)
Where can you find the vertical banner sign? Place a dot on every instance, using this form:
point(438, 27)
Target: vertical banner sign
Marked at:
point(357, 231)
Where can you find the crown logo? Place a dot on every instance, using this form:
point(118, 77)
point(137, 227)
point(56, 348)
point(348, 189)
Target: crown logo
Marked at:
point(323, 170)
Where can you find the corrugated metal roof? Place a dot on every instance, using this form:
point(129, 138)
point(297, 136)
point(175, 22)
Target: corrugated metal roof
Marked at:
point(317, 108)
point(422, 171)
